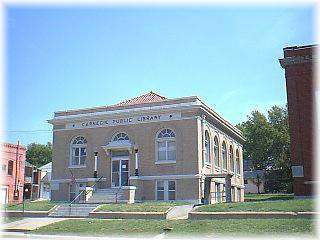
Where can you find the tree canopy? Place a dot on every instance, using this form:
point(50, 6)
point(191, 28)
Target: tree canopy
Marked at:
point(267, 145)
point(39, 154)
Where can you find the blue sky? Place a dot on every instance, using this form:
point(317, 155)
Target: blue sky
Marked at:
point(66, 58)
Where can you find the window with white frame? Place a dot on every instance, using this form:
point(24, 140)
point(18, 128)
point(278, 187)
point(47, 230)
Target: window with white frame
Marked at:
point(160, 190)
point(237, 162)
point(224, 155)
point(78, 151)
point(216, 152)
point(207, 155)
point(166, 146)
point(231, 157)
point(166, 190)
point(121, 137)
point(171, 190)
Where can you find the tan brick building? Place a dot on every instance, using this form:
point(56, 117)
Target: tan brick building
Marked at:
point(164, 149)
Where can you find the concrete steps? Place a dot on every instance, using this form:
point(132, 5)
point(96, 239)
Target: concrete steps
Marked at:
point(75, 210)
point(108, 195)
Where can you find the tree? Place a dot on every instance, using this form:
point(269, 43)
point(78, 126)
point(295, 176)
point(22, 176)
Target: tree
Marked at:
point(39, 154)
point(257, 181)
point(257, 133)
point(267, 145)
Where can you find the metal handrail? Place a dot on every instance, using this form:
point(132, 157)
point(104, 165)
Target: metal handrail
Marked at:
point(84, 190)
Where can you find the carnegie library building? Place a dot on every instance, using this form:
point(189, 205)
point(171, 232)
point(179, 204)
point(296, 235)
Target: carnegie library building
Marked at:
point(147, 148)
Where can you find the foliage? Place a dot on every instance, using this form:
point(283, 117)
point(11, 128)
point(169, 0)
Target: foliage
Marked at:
point(39, 154)
point(267, 146)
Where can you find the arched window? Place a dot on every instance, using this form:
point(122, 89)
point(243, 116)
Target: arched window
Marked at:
point(207, 154)
point(166, 146)
point(121, 137)
point(78, 151)
point(231, 157)
point(237, 162)
point(216, 151)
point(224, 155)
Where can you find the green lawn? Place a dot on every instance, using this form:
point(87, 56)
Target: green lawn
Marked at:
point(296, 205)
point(152, 206)
point(36, 206)
point(267, 197)
point(10, 219)
point(179, 227)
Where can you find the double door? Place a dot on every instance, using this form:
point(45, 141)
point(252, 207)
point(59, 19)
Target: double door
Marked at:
point(120, 172)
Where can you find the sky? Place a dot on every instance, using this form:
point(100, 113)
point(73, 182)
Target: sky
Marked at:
point(60, 58)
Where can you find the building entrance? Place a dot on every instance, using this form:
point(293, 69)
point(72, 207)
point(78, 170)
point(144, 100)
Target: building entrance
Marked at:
point(120, 172)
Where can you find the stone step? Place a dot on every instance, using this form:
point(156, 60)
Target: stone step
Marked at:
point(75, 210)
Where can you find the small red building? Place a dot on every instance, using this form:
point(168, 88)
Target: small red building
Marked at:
point(298, 63)
point(12, 171)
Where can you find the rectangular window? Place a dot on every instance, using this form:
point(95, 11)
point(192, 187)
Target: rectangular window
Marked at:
point(79, 155)
point(166, 190)
point(72, 191)
point(4, 167)
point(238, 194)
point(233, 194)
point(160, 190)
point(166, 150)
point(172, 190)
point(10, 167)
point(245, 181)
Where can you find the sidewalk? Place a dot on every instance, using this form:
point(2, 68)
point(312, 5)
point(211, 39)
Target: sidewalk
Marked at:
point(179, 212)
point(28, 224)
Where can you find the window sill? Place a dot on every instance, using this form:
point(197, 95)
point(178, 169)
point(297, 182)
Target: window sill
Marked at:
point(164, 162)
point(77, 166)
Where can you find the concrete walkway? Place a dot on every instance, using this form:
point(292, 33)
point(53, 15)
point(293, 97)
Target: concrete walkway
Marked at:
point(28, 224)
point(179, 212)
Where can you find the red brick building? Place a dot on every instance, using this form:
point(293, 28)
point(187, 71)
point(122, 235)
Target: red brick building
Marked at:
point(12, 171)
point(298, 63)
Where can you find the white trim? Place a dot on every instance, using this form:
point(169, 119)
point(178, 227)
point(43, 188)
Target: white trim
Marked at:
point(164, 177)
point(124, 111)
point(67, 180)
point(169, 120)
point(165, 162)
point(77, 166)
point(129, 187)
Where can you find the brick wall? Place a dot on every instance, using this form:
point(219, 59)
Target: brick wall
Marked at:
point(10, 180)
point(298, 65)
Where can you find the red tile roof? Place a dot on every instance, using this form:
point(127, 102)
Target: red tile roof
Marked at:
point(150, 97)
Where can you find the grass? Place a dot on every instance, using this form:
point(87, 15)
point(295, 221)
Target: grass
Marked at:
point(152, 206)
point(180, 227)
point(10, 219)
point(296, 205)
point(33, 206)
point(267, 197)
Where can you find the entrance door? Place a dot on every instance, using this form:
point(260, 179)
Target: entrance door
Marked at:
point(218, 193)
point(120, 172)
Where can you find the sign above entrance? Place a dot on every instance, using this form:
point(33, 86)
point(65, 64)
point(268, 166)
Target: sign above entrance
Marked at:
point(124, 121)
